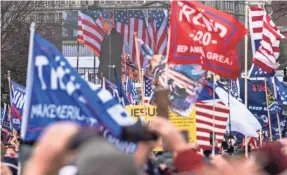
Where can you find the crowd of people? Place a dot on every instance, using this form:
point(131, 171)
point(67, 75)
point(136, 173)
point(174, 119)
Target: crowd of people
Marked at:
point(66, 148)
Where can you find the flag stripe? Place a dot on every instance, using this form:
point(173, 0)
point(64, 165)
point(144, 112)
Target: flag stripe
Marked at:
point(262, 27)
point(90, 32)
point(204, 122)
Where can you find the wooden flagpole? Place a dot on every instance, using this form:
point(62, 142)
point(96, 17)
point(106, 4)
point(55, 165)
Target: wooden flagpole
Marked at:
point(95, 59)
point(213, 116)
point(140, 71)
point(277, 115)
point(78, 55)
point(260, 138)
point(139, 66)
point(246, 65)
point(102, 80)
point(268, 112)
point(167, 53)
point(161, 92)
point(9, 83)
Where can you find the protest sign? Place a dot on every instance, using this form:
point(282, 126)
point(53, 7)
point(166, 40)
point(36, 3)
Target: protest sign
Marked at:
point(186, 124)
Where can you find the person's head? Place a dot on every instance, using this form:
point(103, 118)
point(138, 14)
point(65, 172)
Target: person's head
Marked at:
point(97, 156)
point(107, 25)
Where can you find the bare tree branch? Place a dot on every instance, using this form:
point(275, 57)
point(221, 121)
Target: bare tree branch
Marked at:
point(15, 38)
point(279, 9)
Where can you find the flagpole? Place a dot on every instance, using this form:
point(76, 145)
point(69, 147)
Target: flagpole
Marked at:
point(139, 66)
point(260, 137)
point(78, 55)
point(246, 65)
point(167, 53)
point(9, 83)
point(102, 80)
point(277, 115)
point(95, 68)
point(213, 115)
point(141, 73)
point(229, 107)
point(144, 104)
point(268, 112)
point(28, 89)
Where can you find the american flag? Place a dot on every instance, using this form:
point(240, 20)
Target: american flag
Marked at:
point(256, 27)
point(181, 81)
point(148, 92)
point(263, 28)
point(127, 22)
point(90, 31)
point(158, 31)
point(129, 68)
point(204, 122)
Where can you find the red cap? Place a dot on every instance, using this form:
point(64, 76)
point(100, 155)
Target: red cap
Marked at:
point(188, 160)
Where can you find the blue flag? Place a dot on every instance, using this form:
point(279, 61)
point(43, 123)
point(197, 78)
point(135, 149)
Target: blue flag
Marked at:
point(122, 94)
point(257, 104)
point(256, 71)
point(280, 89)
point(131, 92)
point(6, 124)
point(207, 92)
point(56, 92)
point(275, 128)
point(114, 90)
point(17, 100)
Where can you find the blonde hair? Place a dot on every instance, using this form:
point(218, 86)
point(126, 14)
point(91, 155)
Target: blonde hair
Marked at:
point(108, 21)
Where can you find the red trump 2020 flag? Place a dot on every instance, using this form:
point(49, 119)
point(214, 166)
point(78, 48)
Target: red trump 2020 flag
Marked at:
point(203, 35)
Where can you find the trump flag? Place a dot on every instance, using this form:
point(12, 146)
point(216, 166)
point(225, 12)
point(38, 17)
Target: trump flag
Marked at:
point(17, 100)
point(56, 92)
point(206, 36)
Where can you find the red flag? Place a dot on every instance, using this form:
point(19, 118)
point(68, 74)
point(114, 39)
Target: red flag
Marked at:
point(225, 65)
point(201, 34)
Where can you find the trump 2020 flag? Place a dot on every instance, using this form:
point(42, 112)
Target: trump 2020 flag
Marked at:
point(17, 100)
point(56, 92)
point(206, 36)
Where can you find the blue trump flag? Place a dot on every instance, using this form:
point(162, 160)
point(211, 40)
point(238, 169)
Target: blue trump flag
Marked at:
point(257, 104)
point(17, 100)
point(56, 92)
point(7, 128)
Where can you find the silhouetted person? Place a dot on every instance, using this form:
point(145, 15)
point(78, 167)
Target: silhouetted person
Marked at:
point(111, 51)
